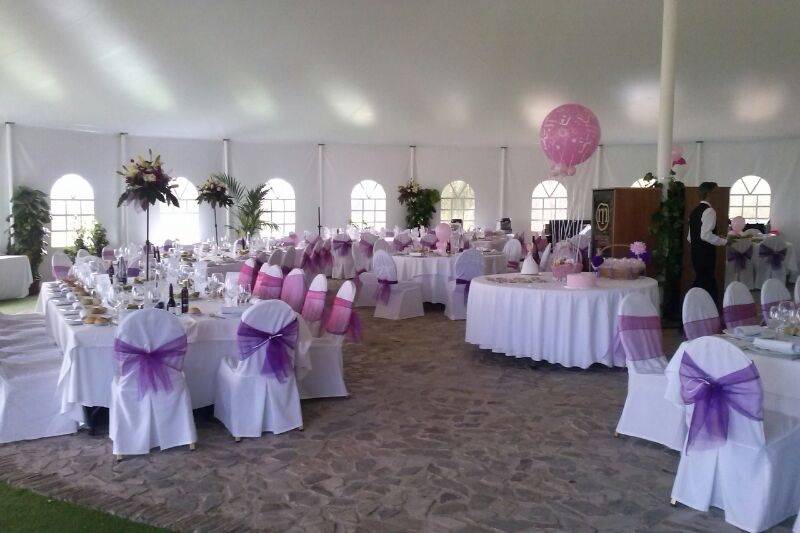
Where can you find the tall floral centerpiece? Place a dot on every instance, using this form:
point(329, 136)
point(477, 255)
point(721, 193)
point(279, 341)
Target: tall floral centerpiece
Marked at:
point(214, 193)
point(146, 183)
point(420, 203)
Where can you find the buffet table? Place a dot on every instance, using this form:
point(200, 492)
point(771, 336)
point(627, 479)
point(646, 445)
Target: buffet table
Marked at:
point(15, 276)
point(88, 366)
point(539, 318)
point(434, 272)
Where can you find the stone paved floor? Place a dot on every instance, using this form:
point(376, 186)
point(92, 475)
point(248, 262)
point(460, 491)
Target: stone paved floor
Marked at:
point(436, 436)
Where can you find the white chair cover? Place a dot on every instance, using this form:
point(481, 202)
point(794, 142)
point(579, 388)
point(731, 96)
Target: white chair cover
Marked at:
point(396, 300)
point(314, 304)
point(277, 257)
point(249, 402)
point(288, 260)
point(293, 291)
point(468, 265)
point(61, 264)
point(401, 242)
point(646, 414)
point(739, 263)
point(308, 261)
point(82, 255)
point(773, 292)
point(529, 266)
point(513, 253)
point(108, 254)
point(326, 377)
point(341, 249)
point(738, 307)
point(366, 282)
point(160, 416)
point(771, 260)
point(700, 315)
point(754, 475)
point(269, 283)
point(544, 263)
point(382, 244)
point(797, 291)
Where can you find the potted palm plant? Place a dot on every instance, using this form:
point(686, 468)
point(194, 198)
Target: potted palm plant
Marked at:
point(28, 230)
point(248, 213)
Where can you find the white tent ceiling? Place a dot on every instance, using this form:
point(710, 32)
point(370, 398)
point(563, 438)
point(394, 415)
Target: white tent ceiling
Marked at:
point(460, 72)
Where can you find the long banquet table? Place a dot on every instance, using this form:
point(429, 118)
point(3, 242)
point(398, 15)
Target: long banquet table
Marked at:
point(435, 271)
point(88, 366)
point(539, 318)
point(15, 276)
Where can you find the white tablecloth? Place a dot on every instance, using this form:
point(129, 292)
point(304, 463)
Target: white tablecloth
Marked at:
point(434, 272)
point(88, 366)
point(15, 276)
point(546, 321)
point(780, 375)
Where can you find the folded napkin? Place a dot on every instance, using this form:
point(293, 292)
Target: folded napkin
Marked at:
point(747, 331)
point(787, 347)
point(226, 310)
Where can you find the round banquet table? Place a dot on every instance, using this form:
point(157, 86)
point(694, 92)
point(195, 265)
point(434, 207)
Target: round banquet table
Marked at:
point(15, 276)
point(434, 272)
point(539, 318)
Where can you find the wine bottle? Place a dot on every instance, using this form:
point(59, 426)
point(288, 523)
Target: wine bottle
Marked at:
point(171, 302)
point(111, 272)
point(184, 300)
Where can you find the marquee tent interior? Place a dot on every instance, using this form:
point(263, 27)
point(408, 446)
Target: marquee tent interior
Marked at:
point(337, 103)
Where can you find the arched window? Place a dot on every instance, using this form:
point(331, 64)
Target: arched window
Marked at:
point(642, 183)
point(548, 202)
point(182, 222)
point(458, 201)
point(751, 198)
point(368, 205)
point(72, 208)
point(280, 207)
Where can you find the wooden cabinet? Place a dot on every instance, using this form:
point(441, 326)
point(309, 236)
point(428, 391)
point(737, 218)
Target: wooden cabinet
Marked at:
point(719, 200)
point(621, 216)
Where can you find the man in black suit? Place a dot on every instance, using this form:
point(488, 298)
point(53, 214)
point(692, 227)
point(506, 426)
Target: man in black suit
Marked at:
point(702, 221)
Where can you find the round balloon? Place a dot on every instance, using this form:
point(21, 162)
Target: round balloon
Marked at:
point(443, 232)
point(569, 135)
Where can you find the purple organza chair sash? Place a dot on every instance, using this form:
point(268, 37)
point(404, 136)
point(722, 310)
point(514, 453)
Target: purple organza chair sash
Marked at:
point(108, 255)
point(767, 307)
point(278, 362)
point(342, 248)
point(365, 247)
point(268, 287)
point(465, 244)
point(428, 243)
point(314, 306)
point(399, 246)
point(60, 271)
point(739, 259)
point(740, 315)
point(702, 327)
point(132, 272)
point(153, 366)
point(325, 258)
point(637, 338)
point(343, 320)
point(714, 398)
point(385, 290)
point(466, 283)
point(775, 257)
point(357, 278)
point(248, 275)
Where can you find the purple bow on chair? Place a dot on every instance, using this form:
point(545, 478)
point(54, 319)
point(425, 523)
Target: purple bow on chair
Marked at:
point(365, 247)
point(60, 271)
point(466, 284)
point(342, 248)
point(739, 259)
point(637, 338)
point(775, 257)
point(740, 315)
point(385, 290)
point(153, 365)
point(399, 246)
point(278, 361)
point(714, 398)
point(357, 279)
point(702, 327)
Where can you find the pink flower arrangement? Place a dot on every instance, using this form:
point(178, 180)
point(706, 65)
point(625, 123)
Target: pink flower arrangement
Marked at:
point(638, 248)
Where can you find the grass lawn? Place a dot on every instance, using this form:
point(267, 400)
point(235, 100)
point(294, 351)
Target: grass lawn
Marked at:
point(22, 305)
point(22, 510)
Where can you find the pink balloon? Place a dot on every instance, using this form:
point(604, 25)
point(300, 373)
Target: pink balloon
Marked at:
point(569, 135)
point(677, 151)
point(443, 232)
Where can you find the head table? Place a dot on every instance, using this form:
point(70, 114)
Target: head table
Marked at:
point(539, 318)
point(434, 272)
point(88, 366)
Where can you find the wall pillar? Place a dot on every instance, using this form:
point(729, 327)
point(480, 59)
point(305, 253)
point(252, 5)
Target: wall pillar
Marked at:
point(666, 108)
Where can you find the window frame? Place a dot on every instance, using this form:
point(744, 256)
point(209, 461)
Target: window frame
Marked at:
point(739, 202)
point(556, 212)
point(376, 194)
point(81, 202)
point(457, 203)
point(284, 227)
point(170, 216)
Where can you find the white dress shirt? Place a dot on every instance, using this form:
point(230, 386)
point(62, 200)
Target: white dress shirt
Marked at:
point(708, 222)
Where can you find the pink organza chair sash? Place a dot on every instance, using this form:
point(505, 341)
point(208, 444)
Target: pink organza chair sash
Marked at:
point(767, 307)
point(268, 287)
point(343, 320)
point(249, 274)
point(637, 338)
point(702, 327)
point(385, 290)
point(740, 315)
point(152, 365)
point(293, 292)
point(314, 306)
point(278, 362)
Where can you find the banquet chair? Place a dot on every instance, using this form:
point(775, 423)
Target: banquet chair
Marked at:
point(293, 291)
point(288, 260)
point(400, 243)
point(739, 264)
point(269, 283)
point(365, 280)
point(428, 241)
point(738, 456)
point(752, 232)
point(326, 377)
point(544, 262)
point(308, 260)
point(468, 265)
point(738, 307)
point(513, 253)
point(249, 272)
point(498, 243)
point(60, 264)
point(700, 315)
point(150, 404)
point(637, 344)
point(797, 291)
point(396, 300)
point(314, 304)
point(343, 266)
point(108, 254)
point(529, 265)
point(326, 258)
point(277, 257)
point(362, 251)
point(771, 260)
point(257, 391)
point(134, 266)
point(82, 255)
point(773, 292)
